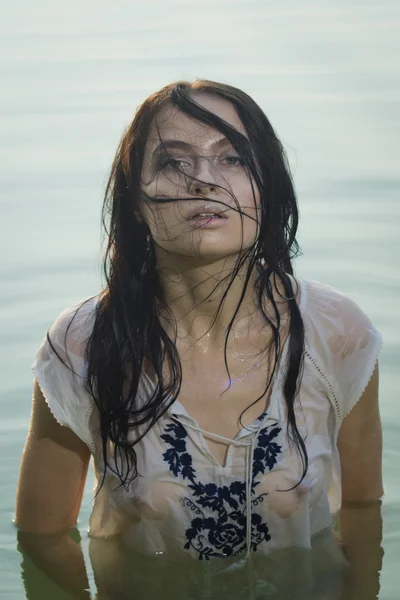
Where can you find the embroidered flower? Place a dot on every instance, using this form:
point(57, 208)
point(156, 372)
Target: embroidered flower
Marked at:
point(180, 462)
point(219, 526)
point(212, 538)
point(265, 455)
point(226, 536)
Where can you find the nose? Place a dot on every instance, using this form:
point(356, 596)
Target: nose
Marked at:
point(201, 189)
point(201, 181)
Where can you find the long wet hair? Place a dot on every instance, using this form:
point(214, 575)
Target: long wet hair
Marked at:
point(127, 328)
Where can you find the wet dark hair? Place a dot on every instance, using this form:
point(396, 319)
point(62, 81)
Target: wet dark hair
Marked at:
point(127, 328)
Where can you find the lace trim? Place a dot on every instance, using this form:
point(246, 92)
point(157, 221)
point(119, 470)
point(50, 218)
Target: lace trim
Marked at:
point(328, 383)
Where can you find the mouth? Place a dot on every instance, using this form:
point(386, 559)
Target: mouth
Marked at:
point(207, 218)
point(207, 221)
point(207, 212)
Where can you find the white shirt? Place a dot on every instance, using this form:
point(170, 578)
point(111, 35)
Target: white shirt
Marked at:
point(184, 500)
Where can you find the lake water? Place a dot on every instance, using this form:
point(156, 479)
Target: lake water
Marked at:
point(327, 74)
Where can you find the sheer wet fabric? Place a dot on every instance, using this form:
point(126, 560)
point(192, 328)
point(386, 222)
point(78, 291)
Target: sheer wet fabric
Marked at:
point(184, 500)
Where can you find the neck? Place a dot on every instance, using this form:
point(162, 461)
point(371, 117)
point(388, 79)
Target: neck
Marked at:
point(194, 293)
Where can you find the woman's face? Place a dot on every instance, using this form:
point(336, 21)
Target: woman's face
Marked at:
point(218, 213)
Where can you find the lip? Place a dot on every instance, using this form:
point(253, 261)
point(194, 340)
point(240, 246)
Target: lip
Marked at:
point(218, 209)
point(208, 223)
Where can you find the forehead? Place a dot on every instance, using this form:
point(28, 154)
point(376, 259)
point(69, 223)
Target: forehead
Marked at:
point(171, 123)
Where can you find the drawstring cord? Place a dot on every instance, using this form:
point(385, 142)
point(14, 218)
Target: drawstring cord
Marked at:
point(249, 480)
point(250, 447)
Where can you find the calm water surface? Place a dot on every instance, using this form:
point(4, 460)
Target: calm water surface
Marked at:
point(326, 74)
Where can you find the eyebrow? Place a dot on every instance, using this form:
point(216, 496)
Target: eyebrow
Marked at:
point(180, 144)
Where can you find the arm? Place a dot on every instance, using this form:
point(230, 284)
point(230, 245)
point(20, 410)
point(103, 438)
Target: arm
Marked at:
point(360, 523)
point(49, 494)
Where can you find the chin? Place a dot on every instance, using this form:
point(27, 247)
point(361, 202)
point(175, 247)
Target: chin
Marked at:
point(209, 247)
point(211, 253)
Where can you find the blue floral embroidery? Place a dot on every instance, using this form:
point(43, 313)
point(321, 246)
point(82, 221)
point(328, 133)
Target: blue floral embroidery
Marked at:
point(180, 462)
point(266, 452)
point(219, 526)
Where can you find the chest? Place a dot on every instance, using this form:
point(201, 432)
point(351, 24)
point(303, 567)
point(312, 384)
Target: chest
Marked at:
point(224, 400)
point(226, 389)
point(215, 395)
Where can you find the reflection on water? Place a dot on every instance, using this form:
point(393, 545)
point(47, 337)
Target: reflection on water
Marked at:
point(120, 574)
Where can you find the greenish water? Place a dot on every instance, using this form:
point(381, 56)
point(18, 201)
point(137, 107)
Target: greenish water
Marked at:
point(326, 74)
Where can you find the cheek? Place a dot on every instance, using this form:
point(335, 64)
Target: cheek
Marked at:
point(164, 220)
point(248, 196)
point(165, 183)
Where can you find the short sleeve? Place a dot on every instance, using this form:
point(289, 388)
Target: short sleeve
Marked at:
point(355, 350)
point(63, 384)
point(346, 345)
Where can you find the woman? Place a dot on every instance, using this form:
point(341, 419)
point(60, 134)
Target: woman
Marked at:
point(229, 407)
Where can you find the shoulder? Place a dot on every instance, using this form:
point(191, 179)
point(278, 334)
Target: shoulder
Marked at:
point(60, 367)
point(74, 324)
point(341, 341)
point(329, 302)
point(79, 313)
point(334, 316)
point(61, 353)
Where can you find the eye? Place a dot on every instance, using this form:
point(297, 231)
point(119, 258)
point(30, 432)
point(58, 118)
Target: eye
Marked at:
point(175, 163)
point(234, 161)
